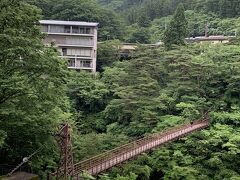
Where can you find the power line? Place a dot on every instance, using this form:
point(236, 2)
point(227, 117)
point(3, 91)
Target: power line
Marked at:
point(25, 160)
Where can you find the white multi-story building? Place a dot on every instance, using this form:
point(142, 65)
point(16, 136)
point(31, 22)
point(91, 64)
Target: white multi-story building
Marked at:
point(75, 41)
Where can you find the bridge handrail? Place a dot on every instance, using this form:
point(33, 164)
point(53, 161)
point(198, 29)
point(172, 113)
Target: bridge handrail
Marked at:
point(131, 146)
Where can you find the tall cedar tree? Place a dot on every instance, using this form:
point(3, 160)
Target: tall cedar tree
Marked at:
point(177, 30)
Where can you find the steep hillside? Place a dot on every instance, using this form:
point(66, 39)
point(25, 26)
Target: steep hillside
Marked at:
point(156, 88)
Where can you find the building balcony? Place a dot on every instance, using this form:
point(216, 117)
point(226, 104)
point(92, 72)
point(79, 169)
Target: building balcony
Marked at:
point(79, 63)
point(70, 41)
point(69, 34)
point(77, 56)
point(67, 30)
point(75, 45)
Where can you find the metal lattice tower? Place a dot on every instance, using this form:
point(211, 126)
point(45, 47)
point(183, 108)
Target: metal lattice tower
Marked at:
point(66, 166)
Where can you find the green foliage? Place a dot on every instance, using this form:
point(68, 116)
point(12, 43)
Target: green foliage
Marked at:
point(88, 92)
point(91, 144)
point(2, 137)
point(133, 103)
point(110, 25)
point(143, 13)
point(160, 8)
point(107, 53)
point(194, 78)
point(204, 155)
point(89, 96)
point(177, 30)
point(144, 20)
point(196, 25)
point(86, 176)
point(227, 118)
point(216, 25)
point(142, 35)
point(225, 8)
point(113, 4)
point(168, 121)
point(220, 15)
point(132, 10)
point(32, 95)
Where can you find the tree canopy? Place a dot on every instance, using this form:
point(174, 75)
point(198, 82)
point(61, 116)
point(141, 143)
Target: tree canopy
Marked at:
point(32, 95)
point(177, 30)
point(110, 24)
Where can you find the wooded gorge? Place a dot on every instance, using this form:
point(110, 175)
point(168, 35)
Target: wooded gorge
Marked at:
point(157, 88)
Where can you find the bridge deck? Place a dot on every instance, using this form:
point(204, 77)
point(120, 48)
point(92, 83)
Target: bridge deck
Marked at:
point(123, 153)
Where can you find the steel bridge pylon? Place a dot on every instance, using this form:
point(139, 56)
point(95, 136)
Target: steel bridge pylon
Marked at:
point(66, 166)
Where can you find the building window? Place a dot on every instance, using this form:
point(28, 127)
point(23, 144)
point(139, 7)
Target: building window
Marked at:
point(71, 62)
point(44, 28)
point(75, 29)
point(56, 29)
point(86, 63)
point(85, 41)
point(67, 29)
point(84, 30)
point(64, 51)
point(88, 30)
point(84, 52)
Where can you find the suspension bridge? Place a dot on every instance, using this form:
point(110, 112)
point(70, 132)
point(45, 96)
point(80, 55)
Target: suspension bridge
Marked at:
point(107, 160)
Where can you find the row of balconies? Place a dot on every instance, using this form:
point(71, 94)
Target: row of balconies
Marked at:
point(67, 29)
point(68, 41)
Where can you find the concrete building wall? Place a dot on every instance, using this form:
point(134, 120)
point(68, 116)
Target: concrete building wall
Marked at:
point(95, 49)
point(75, 41)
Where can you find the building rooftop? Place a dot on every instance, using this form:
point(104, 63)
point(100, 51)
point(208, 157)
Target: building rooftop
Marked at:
point(209, 38)
point(76, 23)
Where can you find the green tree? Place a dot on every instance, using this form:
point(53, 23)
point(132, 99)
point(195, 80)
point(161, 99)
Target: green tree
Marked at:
point(32, 94)
point(135, 106)
point(238, 28)
point(110, 25)
point(143, 19)
point(196, 77)
point(224, 8)
point(89, 96)
point(141, 35)
point(108, 52)
point(177, 30)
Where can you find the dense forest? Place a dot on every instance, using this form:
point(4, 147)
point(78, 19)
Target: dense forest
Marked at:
point(144, 21)
point(157, 88)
